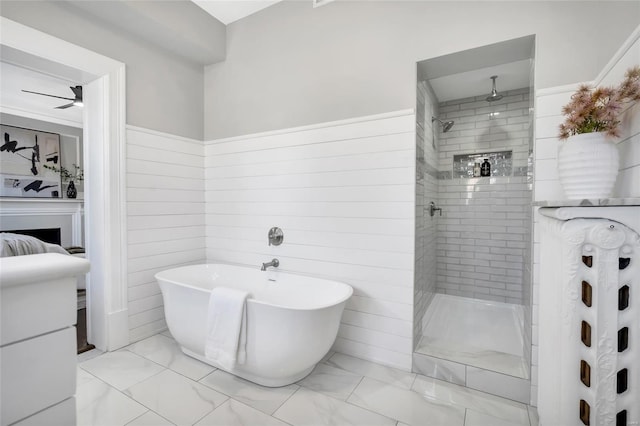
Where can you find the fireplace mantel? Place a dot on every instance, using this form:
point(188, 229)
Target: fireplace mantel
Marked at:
point(33, 207)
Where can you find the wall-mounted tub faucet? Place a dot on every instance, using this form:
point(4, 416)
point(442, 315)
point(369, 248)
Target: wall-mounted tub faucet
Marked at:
point(274, 262)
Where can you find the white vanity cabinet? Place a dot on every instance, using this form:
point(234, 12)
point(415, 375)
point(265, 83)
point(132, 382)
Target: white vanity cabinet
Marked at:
point(38, 338)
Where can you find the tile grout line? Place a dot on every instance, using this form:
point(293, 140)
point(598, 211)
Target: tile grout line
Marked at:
point(169, 368)
point(150, 409)
point(214, 409)
point(123, 394)
point(362, 377)
point(284, 402)
point(367, 409)
point(132, 420)
point(354, 389)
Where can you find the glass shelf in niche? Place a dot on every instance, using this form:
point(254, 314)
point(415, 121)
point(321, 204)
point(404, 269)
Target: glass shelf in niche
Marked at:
point(501, 164)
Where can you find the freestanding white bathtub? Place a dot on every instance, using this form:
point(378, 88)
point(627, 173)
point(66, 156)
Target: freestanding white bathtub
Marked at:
point(292, 320)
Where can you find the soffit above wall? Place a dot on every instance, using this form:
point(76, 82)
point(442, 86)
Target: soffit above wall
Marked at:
point(467, 73)
point(231, 10)
point(514, 75)
point(178, 26)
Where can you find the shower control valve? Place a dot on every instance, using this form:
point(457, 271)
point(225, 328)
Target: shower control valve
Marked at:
point(276, 236)
point(433, 209)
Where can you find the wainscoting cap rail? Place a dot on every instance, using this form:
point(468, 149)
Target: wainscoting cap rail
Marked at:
point(392, 114)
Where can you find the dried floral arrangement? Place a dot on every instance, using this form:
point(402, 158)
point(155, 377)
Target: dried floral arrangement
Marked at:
point(597, 110)
point(66, 174)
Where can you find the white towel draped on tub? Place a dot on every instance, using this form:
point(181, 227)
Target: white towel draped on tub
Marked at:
point(227, 327)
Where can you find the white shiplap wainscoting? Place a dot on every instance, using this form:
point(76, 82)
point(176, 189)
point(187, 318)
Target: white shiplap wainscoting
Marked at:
point(343, 193)
point(165, 218)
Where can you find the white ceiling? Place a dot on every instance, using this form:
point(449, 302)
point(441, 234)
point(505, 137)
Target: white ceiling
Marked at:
point(228, 11)
point(14, 101)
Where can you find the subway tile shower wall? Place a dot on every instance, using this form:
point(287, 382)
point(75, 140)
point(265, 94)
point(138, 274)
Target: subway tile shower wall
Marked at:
point(483, 235)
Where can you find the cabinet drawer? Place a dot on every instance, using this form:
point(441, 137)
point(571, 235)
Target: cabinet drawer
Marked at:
point(37, 373)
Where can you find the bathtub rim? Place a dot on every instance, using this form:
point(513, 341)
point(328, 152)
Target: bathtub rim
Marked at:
point(347, 296)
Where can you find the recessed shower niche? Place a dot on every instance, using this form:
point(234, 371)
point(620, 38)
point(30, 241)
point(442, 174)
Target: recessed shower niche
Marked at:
point(472, 287)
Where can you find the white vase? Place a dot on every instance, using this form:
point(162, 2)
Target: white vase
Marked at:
point(588, 166)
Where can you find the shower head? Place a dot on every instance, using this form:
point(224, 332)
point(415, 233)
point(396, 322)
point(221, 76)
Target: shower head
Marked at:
point(494, 93)
point(446, 125)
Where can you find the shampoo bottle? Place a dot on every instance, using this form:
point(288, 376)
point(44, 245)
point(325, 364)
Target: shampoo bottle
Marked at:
point(485, 168)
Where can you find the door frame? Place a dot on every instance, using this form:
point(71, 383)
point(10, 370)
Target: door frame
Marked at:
point(104, 135)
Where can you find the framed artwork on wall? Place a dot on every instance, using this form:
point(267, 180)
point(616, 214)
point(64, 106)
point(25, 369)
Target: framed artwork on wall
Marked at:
point(23, 155)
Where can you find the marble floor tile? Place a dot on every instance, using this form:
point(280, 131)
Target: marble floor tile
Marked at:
point(481, 402)
point(475, 418)
point(99, 404)
point(259, 397)
point(121, 369)
point(462, 353)
point(310, 408)
point(234, 413)
point(331, 381)
point(176, 398)
point(165, 351)
point(327, 356)
point(405, 405)
point(83, 377)
point(150, 419)
point(152, 383)
point(385, 374)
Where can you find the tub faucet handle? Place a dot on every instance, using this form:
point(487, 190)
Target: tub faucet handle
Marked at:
point(274, 262)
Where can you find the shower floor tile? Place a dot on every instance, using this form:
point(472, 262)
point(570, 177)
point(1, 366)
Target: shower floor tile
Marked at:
point(482, 334)
point(343, 390)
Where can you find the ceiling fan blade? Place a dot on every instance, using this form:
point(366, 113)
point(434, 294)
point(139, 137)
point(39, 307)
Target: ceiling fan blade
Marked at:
point(51, 96)
point(77, 91)
point(65, 106)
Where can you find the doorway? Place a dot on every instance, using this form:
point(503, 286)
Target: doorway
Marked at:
point(103, 81)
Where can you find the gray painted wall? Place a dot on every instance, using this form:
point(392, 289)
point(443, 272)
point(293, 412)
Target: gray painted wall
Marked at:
point(164, 91)
point(292, 65)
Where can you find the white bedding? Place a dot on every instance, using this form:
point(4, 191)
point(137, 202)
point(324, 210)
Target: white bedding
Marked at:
point(19, 245)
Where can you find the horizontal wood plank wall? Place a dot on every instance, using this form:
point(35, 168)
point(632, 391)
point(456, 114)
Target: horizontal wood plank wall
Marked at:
point(343, 193)
point(165, 219)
